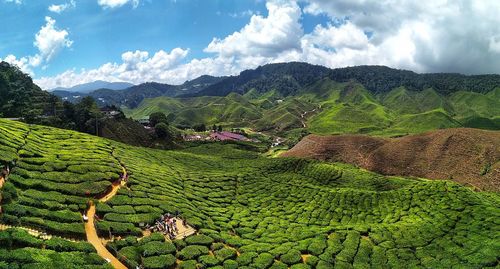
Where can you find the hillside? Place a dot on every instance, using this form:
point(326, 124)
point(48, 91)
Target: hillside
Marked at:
point(248, 210)
point(329, 107)
point(468, 156)
point(20, 97)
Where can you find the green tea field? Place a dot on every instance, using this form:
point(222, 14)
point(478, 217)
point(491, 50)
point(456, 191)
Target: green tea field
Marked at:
point(248, 211)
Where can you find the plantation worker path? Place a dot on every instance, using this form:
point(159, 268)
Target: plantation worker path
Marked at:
point(89, 218)
point(94, 239)
point(115, 187)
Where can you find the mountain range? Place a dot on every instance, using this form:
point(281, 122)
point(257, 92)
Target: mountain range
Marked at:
point(290, 98)
point(92, 86)
point(366, 99)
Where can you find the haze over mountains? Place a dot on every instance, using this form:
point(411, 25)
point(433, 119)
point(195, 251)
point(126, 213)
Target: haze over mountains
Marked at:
point(92, 86)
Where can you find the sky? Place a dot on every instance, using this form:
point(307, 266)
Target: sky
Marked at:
point(62, 43)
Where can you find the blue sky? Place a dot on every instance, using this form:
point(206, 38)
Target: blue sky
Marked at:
point(67, 42)
point(103, 34)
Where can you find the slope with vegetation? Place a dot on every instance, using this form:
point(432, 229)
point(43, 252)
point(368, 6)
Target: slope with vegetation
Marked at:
point(468, 156)
point(250, 211)
point(329, 107)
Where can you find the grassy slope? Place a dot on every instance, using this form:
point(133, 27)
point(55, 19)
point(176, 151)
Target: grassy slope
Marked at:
point(340, 108)
point(264, 208)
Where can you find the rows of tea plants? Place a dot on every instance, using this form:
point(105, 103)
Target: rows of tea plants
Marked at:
point(18, 249)
point(250, 211)
point(274, 211)
point(55, 173)
point(12, 134)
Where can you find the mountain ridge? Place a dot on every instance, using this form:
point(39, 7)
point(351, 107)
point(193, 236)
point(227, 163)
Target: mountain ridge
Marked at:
point(92, 86)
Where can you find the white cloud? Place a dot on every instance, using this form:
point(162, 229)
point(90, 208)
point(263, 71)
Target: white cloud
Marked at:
point(62, 7)
point(425, 35)
point(136, 67)
point(428, 36)
point(17, 2)
point(22, 63)
point(116, 3)
point(263, 36)
point(50, 41)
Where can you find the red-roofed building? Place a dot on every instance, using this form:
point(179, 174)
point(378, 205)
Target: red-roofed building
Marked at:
point(223, 136)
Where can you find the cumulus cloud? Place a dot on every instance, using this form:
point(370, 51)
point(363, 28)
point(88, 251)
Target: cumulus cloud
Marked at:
point(424, 36)
point(263, 36)
point(136, 67)
point(427, 35)
point(22, 63)
point(50, 40)
point(62, 7)
point(116, 3)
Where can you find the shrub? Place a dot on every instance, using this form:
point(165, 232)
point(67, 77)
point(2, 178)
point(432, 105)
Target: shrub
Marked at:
point(189, 264)
point(324, 265)
point(192, 252)
point(156, 248)
point(300, 266)
point(201, 239)
point(230, 264)
point(208, 260)
point(162, 261)
point(291, 257)
point(264, 260)
point(246, 258)
point(278, 265)
point(312, 260)
point(225, 253)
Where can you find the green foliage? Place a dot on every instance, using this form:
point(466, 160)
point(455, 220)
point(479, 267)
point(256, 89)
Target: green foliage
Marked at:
point(270, 211)
point(192, 252)
point(157, 117)
point(20, 249)
point(155, 248)
point(200, 239)
point(159, 262)
point(292, 257)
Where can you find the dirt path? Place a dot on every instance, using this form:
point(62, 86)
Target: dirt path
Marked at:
point(91, 232)
point(94, 239)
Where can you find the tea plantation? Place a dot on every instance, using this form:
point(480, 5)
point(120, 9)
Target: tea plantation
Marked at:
point(250, 211)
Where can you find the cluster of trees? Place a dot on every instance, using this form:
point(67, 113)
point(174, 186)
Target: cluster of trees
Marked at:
point(20, 97)
point(286, 78)
point(290, 78)
point(380, 79)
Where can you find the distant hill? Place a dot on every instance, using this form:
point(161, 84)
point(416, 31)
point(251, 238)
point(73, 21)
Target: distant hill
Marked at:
point(92, 86)
point(468, 156)
point(132, 96)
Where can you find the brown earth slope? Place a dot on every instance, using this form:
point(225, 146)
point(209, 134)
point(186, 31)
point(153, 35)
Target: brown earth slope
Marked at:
point(468, 156)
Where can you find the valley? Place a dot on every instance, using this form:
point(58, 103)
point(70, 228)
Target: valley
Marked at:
point(249, 210)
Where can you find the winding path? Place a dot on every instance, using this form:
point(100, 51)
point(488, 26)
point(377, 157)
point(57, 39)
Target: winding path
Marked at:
point(91, 232)
point(94, 239)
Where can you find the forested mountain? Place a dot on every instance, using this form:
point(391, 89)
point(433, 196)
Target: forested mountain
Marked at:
point(289, 78)
point(286, 78)
point(19, 97)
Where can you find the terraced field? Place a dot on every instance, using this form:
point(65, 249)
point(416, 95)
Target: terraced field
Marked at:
point(249, 211)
